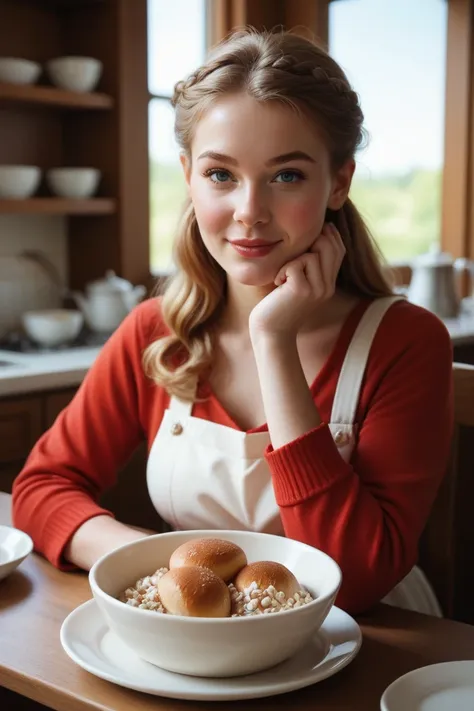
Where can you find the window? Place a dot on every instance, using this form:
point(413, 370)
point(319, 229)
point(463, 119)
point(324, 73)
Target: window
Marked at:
point(176, 46)
point(394, 54)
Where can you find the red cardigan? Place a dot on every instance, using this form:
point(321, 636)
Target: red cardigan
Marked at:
point(368, 515)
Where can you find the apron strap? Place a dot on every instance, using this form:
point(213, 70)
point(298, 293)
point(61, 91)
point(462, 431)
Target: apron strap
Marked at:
point(349, 384)
point(181, 408)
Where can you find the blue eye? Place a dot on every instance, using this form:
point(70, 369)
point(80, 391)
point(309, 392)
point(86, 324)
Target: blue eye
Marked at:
point(217, 176)
point(289, 176)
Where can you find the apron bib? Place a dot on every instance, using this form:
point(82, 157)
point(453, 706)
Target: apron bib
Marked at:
point(203, 475)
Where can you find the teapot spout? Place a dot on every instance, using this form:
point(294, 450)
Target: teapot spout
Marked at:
point(133, 297)
point(81, 303)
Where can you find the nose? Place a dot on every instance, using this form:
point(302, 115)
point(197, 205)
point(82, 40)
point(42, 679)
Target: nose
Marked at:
point(251, 207)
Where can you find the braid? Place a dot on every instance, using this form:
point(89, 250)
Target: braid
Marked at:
point(285, 63)
point(307, 68)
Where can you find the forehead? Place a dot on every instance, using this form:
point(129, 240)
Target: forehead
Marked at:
point(239, 125)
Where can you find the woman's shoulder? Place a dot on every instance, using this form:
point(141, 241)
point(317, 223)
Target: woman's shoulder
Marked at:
point(407, 327)
point(147, 319)
point(413, 320)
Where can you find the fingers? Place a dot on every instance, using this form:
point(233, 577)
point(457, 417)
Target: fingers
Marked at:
point(331, 249)
point(320, 265)
point(329, 235)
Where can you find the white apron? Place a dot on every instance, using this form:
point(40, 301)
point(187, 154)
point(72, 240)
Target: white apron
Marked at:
point(203, 475)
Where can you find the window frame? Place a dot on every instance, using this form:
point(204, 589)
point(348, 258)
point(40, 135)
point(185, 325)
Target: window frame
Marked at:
point(457, 199)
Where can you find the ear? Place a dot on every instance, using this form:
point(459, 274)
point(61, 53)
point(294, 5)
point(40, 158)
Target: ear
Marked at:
point(341, 185)
point(186, 166)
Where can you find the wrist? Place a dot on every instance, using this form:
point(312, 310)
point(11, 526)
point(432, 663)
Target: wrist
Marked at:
point(274, 345)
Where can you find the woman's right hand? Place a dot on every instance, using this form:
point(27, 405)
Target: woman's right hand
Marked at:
point(98, 536)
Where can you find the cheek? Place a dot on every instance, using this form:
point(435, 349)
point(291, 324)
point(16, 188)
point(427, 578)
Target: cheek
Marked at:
point(304, 216)
point(211, 213)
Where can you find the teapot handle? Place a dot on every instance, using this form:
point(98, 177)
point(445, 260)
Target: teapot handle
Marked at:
point(461, 265)
point(48, 267)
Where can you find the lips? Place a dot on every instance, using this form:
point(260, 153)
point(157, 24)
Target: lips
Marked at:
point(252, 243)
point(253, 248)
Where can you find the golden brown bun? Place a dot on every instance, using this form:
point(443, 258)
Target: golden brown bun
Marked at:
point(266, 573)
point(194, 592)
point(224, 558)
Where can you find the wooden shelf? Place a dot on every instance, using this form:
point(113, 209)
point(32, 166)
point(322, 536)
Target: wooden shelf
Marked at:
point(59, 206)
point(51, 96)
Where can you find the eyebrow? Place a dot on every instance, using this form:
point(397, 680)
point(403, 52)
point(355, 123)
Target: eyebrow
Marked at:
point(277, 160)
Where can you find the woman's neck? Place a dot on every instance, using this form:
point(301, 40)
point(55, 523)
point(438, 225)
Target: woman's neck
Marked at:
point(241, 299)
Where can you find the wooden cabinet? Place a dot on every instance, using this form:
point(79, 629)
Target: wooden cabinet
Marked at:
point(24, 419)
point(20, 426)
point(22, 422)
point(107, 129)
point(54, 403)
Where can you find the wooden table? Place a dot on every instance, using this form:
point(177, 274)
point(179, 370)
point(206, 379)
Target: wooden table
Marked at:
point(36, 598)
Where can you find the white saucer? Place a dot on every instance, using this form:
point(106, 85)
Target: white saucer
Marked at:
point(87, 639)
point(437, 687)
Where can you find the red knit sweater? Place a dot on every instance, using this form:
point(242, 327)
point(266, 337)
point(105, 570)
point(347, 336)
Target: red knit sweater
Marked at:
point(368, 515)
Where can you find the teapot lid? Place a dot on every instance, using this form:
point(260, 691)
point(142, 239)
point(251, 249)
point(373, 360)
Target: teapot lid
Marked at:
point(111, 282)
point(433, 258)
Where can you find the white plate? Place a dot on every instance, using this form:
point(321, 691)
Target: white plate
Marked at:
point(14, 547)
point(87, 639)
point(438, 687)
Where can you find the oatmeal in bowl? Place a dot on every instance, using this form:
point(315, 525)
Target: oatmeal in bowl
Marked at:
point(205, 604)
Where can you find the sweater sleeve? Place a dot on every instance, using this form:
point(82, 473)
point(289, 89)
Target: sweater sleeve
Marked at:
point(77, 459)
point(368, 515)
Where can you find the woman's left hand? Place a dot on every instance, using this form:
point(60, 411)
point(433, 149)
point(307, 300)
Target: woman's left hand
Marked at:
point(302, 284)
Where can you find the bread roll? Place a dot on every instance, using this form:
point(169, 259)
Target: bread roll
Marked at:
point(266, 573)
point(194, 592)
point(224, 558)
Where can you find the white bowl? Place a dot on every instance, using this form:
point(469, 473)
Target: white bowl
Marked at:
point(14, 547)
point(79, 74)
point(53, 327)
point(19, 181)
point(212, 647)
point(73, 182)
point(19, 71)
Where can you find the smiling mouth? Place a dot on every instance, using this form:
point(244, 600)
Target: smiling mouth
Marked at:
point(253, 248)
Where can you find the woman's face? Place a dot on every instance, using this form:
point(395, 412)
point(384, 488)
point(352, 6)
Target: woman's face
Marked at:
point(260, 181)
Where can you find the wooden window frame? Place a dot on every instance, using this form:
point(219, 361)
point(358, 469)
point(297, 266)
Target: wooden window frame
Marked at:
point(457, 209)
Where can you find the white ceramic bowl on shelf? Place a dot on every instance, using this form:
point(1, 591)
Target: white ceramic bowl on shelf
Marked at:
point(51, 328)
point(79, 74)
point(19, 181)
point(214, 647)
point(15, 70)
point(73, 182)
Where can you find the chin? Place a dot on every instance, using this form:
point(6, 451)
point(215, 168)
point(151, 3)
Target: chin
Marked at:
point(252, 275)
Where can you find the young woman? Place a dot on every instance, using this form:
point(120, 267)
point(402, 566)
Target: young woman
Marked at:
point(280, 385)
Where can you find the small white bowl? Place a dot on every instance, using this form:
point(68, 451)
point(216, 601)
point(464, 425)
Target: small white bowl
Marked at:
point(79, 74)
point(19, 181)
point(14, 547)
point(19, 71)
point(76, 183)
point(53, 327)
point(214, 647)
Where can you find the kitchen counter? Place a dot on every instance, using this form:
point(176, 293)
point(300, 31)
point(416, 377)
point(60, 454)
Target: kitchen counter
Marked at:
point(30, 372)
point(461, 329)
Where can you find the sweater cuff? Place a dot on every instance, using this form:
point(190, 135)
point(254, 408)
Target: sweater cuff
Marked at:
point(305, 466)
point(62, 524)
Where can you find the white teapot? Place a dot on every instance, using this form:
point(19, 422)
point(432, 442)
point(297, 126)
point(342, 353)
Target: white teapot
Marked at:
point(108, 301)
point(433, 283)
